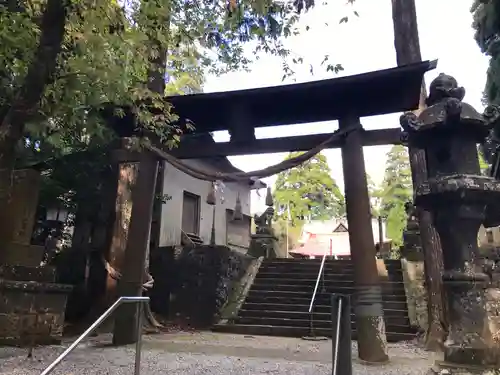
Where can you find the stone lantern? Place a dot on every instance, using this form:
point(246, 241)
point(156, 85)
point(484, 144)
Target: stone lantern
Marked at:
point(412, 243)
point(457, 196)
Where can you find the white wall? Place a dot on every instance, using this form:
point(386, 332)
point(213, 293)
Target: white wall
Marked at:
point(176, 182)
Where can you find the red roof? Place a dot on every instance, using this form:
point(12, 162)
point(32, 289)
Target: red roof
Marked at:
point(313, 247)
point(331, 244)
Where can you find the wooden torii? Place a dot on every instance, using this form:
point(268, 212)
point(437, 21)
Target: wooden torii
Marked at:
point(345, 99)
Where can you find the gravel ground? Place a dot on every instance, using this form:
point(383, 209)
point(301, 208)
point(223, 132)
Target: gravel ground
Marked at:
point(208, 354)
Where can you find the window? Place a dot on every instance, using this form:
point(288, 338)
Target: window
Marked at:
point(489, 236)
point(191, 213)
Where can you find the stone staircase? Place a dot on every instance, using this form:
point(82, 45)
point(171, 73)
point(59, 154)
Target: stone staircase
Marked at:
point(191, 239)
point(278, 301)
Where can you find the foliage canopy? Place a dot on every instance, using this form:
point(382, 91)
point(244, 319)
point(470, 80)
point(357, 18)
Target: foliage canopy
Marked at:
point(395, 191)
point(486, 22)
point(309, 191)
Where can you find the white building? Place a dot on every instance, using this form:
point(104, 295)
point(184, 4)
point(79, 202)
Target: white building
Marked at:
point(331, 237)
point(187, 211)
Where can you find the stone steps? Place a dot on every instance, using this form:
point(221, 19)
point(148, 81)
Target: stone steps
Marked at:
point(391, 318)
point(320, 324)
point(322, 309)
point(329, 275)
point(300, 304)
point(321, 298)
point(291, 331)
point(191, 238)
point(333, 287)
point(314, 264)
point(279, 298)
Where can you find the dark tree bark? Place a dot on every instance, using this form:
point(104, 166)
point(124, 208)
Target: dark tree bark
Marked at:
point(115, 253)
point(26, 101)
point(100, 244)
point(137, 254)
point(407, 46)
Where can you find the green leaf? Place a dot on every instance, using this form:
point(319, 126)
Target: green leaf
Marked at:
point(309, 191)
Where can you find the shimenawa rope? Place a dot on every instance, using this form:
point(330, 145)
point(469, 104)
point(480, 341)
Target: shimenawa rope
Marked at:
point(245, 176)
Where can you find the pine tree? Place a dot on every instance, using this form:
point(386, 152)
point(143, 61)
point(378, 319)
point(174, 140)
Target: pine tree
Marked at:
point(396, 190)
point(486, 22)
point(309, 191)
point(374, 194)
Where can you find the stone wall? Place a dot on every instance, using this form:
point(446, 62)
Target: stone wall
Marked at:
point(162, 266)
point(416, 295)
point(493, 315)
point(206, 277)
point(240, 291)
point(31, 312)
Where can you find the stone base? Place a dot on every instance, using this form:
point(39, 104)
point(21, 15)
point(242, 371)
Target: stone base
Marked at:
point(416, 294)
point(489, 357)
point(445, 368)
point(18, 253)
point(264, 245)
point(31, 312)
point(207, 277)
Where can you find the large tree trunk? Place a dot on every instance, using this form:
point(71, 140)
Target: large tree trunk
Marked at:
point(26, 101)
point(100, 244)
point(127, 177)
point(136, 253)
point(156, 21)
point(407, 46)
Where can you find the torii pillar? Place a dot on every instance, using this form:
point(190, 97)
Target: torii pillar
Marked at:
point(370, 325)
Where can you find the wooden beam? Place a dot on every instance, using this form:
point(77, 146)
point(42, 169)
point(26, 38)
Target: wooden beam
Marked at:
point(285, 144)
point(371, 337)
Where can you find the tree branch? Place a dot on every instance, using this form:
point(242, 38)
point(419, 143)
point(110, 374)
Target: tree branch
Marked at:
point(40, 72)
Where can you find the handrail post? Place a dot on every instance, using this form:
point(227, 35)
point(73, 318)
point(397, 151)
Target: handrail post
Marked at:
point(323, 287)
point(138, 344)
point(311, 305)
point(139, 300)
point(317, 281)
point(341, 335)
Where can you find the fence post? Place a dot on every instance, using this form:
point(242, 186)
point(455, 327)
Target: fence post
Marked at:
point(341, 335)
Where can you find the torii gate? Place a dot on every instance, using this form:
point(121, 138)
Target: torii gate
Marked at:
point(345, 99)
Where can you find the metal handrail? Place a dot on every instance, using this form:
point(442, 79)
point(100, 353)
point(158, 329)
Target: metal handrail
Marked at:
point(336, 338)
point(317, 281)
point(102, 318)
point(341, 334)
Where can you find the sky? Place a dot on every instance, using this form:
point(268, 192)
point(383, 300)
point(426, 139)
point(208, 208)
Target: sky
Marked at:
point(364, 44)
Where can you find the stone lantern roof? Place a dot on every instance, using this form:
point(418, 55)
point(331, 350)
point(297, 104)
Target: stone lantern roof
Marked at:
point(445, 113)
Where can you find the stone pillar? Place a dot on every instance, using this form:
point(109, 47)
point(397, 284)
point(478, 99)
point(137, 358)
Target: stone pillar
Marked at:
point(370, 323)
point(457, 197)
point(16, 232)
point(32, 306)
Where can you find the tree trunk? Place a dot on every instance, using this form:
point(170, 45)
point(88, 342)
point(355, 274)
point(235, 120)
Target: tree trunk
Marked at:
point(155, 21)
point(100, 244)
point(26, 101)
point(407, 46)
point(137, 248)
point(82, 227)
point(127, 177)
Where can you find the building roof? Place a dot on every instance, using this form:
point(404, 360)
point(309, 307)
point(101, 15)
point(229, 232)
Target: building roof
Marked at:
point(330, 237)
point(330, 244)
point(326, 227)
point(368, 94)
